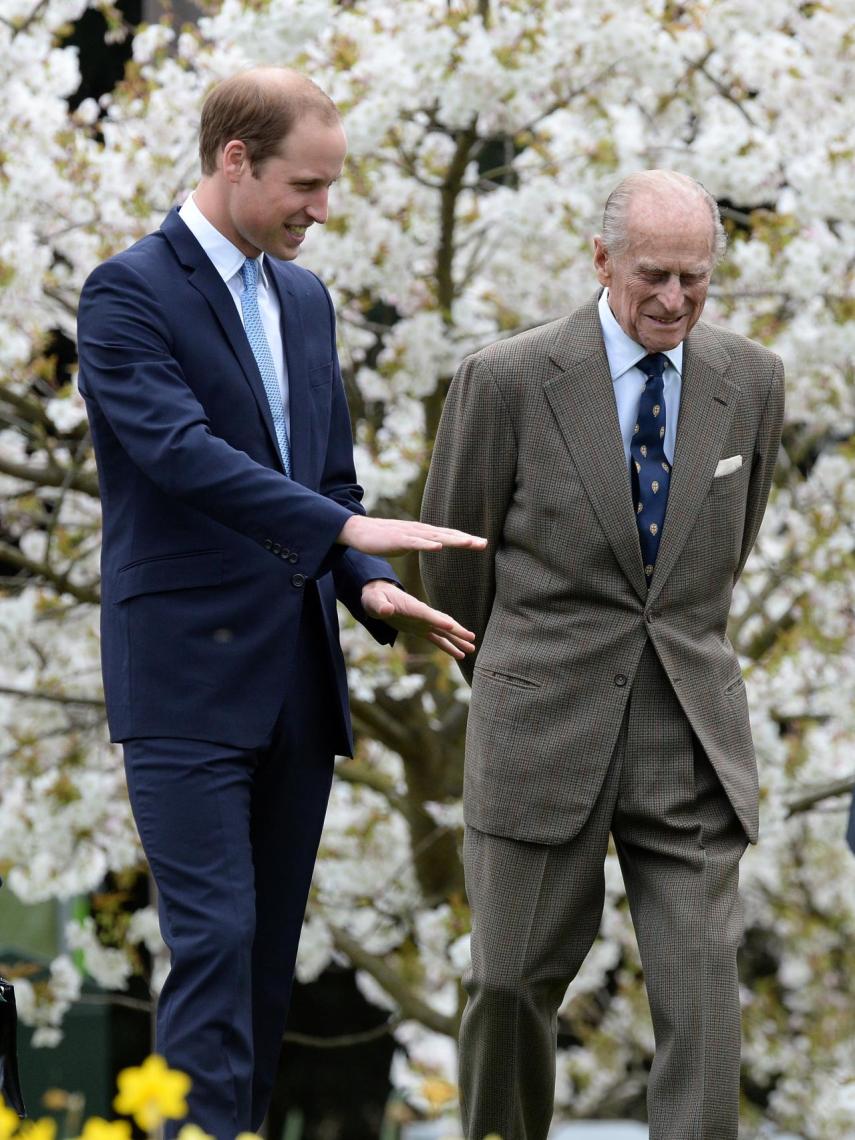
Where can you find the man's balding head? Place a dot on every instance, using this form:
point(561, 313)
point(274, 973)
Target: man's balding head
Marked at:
point(666, 188)
point(661, 238)
point(260, 108)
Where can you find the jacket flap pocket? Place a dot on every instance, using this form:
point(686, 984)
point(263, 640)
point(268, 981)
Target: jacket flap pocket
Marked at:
point(507, 678)
point(170, 572)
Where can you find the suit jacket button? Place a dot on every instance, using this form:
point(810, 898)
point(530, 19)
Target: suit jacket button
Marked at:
point(620, 680)
point(276, 548)
point(284, 555)
point(268, 544)
point(299, 580)
point(293, 558)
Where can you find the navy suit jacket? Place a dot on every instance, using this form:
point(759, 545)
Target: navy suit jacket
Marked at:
point(211, 556)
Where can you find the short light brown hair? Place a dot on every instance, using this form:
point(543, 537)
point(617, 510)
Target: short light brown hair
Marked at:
point(260, 108)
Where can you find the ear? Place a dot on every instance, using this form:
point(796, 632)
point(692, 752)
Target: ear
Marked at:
point(234, 160)
point(602, 261)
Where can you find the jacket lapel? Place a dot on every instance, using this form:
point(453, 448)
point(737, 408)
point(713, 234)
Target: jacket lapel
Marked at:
point(707, 403)
point(582, 399)
point(204, 277)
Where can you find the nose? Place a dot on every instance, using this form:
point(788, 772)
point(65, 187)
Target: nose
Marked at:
point(671, 294)
point(318, 207)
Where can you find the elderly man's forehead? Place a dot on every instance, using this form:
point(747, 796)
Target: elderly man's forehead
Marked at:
point(671, 215)
point(667, 201)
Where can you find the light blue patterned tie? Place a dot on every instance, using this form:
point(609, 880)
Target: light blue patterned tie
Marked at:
point(263, 356)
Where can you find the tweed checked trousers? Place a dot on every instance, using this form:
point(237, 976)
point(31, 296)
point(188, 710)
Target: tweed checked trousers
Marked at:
point(537, 909)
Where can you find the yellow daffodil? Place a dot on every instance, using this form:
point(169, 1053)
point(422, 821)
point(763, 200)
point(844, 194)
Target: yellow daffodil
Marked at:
point(194, 1132)
point(152, 1093)
point(8, 1121)
point(96, 1128)
point(247, 1136)
point(42, 1129)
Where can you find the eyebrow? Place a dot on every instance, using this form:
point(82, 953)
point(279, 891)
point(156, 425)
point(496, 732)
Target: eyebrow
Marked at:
point(311, 179)
point(695, 271)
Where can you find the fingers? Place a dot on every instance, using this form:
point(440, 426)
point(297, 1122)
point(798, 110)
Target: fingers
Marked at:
point(396, 600)
point(422, 613)
point(406, 541)
point(421, 536)
point(456, 633)
point(454, 539)
point(410, 615)
point(442, 634)
point(400, 536)
point(452, 646)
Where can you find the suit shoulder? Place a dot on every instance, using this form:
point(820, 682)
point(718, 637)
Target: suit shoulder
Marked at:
point(755, 369)
point(137, 260)
point(739, 347)
point(527, 350)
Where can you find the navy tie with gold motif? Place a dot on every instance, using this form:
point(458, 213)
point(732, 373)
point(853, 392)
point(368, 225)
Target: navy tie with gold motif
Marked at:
point(650, 470)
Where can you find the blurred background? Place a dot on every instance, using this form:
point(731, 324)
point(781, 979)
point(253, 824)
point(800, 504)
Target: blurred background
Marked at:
point(484, 139)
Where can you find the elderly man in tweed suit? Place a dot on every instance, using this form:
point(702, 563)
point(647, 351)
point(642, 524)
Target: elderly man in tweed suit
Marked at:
point(619, 460)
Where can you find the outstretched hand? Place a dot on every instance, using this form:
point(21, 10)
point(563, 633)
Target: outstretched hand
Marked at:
point(389, 603)
point(387, 537)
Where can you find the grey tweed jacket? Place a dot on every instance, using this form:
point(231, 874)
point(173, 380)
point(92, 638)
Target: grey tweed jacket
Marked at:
point(529, 454)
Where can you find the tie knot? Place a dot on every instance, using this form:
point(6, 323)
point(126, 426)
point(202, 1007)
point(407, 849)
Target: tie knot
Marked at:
point(249, 273)
point(653, 365)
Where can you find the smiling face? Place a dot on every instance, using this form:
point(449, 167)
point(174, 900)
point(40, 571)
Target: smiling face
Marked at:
point(270, 207)
point(658, 281)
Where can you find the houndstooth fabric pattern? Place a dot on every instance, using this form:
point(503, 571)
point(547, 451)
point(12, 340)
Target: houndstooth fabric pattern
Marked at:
point(536, 910)
point(529, 454)
point(261, 351)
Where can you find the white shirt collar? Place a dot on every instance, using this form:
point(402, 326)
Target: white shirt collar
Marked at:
point(227, 259)
point(622, 351)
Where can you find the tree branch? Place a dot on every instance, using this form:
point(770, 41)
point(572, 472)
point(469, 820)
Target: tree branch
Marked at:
point(720, 86)
point(825, 792)
point(23, 22)
point(464, 142)
point(51, 475)
point(343, 1040)
point(54, 698)
point(63, 584)
point(354, 772)
point(412, 1006)
point(32, 411)
point(380, 725)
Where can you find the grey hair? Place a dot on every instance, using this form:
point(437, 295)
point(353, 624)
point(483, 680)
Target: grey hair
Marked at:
point(614, 233)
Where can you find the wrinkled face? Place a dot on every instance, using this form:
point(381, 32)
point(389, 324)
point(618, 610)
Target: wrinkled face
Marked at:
point(658, 283)
point(271, 207)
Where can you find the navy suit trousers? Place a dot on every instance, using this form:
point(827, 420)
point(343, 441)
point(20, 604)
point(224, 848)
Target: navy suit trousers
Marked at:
point(231, 836)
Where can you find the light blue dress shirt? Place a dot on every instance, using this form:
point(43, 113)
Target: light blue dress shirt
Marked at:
point(623, 355)
point(227, 259)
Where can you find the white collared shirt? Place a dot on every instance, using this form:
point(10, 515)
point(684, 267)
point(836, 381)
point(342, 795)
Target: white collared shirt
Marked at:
point(227, 259)
point(624, 354)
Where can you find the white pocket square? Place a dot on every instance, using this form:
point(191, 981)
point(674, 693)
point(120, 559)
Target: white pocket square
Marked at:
point(725, 466)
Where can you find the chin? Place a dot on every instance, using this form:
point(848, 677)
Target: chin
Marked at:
point(667, 336)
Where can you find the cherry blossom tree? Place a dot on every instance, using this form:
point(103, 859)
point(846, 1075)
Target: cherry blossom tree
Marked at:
point(484, 137)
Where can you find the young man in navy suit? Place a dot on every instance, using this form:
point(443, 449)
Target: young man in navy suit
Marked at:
point(232, 523)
